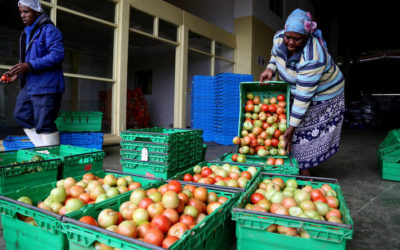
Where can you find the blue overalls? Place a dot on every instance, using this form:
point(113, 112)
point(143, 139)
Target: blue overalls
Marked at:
point(39, 100)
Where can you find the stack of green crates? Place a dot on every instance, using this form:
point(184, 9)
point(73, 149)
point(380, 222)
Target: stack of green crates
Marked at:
point(251, 226)
point(168, 150)
point(389, 156)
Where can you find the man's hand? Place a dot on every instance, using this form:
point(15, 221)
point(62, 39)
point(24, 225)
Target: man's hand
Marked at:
point(266, 76)
point(7, 78)
point(19, 69)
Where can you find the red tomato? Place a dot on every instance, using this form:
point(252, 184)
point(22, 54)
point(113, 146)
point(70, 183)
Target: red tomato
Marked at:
point(248, 120)
point(120, 218)
point(315, 193)
point(145, 203)
point(251, 135)
point(282, 116)
point(267, 142)
point(211, 180)
point(197, 177)
point(218, 178)
point(249, 107)
point(264, 108)
point(254, 143)
point(272, 108)
point(188, 177)
point(282, 104)
point(3, 78)
point(206, 171)
point(154, 236)
point(256, 197)
point(161, 222)
point(259, 147)
point(279, 161)
point(280, 98)
point(89, 220)
point(187, 219)
point(234, 157)
point(168, 241)
point(249, 102)
point(321, 199)
point(280, 110)
point(274, 142)
point(277, 133)
point(174, 186)
point(247, 175)
point(271, 161)
point(265, 125)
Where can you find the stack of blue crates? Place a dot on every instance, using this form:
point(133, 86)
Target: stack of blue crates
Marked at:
point(227, 102)
point(92, 140)
point(215, 105)
point(203, 105)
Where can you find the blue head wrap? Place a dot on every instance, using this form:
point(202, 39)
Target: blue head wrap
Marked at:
point(300, 21)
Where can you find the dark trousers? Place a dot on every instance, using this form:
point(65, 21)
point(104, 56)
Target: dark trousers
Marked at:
point(37, 111)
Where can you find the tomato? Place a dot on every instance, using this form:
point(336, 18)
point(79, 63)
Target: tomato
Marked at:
point(183, 197)
point(196, 203)
point(282, 117)
point(154, 236)
point(249, 107)
point(248, 120)
point(145, 202)
point(236, 140)
point(168, 241)
point(218, 178)
point(163, 188)
point(247, 175)
point(234, 157)
point(200, 193)
point(206, 171)
point(271, 161)
point(3, 78)
point(174, 186)
point(120, 218)
point(127, 228)
point(333, 202)
point(249, 101)
point(335, 213)
point(282, 104)
point(188, 177)
point(265, 125)
point(187, 219)
point(280, 110)
point(85, 197)
point(264, 108)
point(172, 215)
point(254, 143)
point(143, 228)
point(89, 220)
point(161, 222)
point(178, 229)
point(190, 187)
point(321, 199)
point(280, 98)
point(272, 108)
point(257, 100)
point(197, 177)
point(256, 197)
point(134, 185)
point(277, 133)
point(316, 193)
point(274, 142)
point(279, 161)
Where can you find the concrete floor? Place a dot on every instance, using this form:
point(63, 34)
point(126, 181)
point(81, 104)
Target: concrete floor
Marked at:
point(374, 203)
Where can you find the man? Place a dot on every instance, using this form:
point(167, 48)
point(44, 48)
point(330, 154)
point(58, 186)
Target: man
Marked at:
point(40, 75)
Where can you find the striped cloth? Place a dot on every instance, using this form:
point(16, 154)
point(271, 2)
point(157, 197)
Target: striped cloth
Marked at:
point(311, 73)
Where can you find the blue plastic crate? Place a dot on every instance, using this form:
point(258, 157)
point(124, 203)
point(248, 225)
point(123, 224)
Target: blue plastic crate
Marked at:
point(17, 142)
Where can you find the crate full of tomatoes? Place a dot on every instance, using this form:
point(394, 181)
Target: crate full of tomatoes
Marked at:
point(292, 212)
point(168, 215)
point(264, 110)
point(31, 216)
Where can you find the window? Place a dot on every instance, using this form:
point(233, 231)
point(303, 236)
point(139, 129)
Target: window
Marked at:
point(143, 80)
point(276, 6)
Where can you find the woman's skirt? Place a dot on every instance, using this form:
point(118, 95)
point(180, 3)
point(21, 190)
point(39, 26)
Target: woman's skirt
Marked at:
point(317, 137)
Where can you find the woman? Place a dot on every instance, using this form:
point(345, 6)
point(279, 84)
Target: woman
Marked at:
point(40, 74)
point(300, 57)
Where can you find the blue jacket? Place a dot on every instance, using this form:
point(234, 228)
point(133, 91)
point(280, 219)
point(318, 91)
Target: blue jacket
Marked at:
point(44, 55)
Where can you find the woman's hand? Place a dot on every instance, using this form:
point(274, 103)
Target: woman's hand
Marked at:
point(18, 69)
point(288, 137)
point(266, 76)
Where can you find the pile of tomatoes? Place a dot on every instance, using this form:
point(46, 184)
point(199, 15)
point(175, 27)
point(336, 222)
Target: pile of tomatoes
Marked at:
point(288, 198)
point(264, 126)
point(159, 216)
point(222, 175)
point(70, 195)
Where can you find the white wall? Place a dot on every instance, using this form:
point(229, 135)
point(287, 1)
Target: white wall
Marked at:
point(217, 12)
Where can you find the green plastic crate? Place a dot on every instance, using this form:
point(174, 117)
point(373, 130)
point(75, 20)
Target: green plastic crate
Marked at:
point(203, 236)
point(14, 176)
point(152, 147)
point(290, 165)
point(160, 135)
point(390, 166)
point(274, 88)
point(137, 155)
point(251, 225)
point(89, 121)
point(148, 168)
point(76, 161)
point(47, 235)
point(180, 175)
point(390, 143)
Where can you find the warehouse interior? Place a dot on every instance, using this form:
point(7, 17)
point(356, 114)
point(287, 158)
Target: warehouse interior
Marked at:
point(159, 45)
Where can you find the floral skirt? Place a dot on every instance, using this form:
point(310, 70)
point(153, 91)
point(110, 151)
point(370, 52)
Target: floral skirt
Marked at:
point(317, 137)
